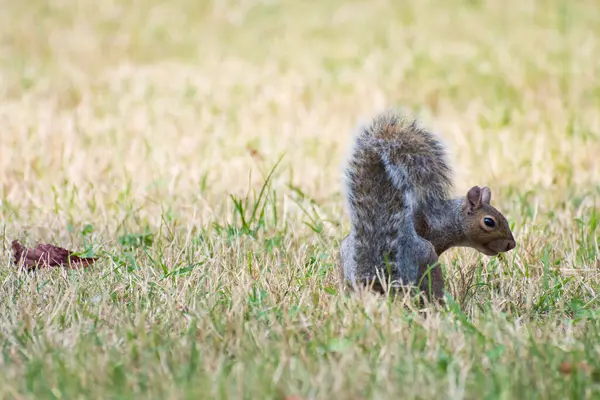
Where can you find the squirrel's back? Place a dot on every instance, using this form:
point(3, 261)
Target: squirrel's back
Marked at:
point(394, 166)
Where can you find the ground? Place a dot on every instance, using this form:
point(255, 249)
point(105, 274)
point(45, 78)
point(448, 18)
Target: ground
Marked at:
point(196, 148)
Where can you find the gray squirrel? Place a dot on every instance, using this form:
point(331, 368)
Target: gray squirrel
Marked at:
point(398, 192)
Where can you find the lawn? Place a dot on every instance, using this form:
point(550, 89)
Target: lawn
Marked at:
point(196, 149)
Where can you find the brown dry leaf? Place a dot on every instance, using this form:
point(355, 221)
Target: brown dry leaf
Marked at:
point(568, 368)
point(46, 256)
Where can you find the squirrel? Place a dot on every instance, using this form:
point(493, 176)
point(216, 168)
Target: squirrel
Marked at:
point(398, 193)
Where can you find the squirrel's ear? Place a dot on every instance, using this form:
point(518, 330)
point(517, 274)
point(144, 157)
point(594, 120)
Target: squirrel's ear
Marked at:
point(474, 197)
point(486, 195)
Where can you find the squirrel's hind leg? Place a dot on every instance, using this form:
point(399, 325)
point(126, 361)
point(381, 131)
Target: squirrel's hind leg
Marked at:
point(417, 265)
point(409, 268)
point(349, 275)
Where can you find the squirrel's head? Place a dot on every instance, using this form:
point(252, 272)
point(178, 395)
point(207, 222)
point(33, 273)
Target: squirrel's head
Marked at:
point(485, 227)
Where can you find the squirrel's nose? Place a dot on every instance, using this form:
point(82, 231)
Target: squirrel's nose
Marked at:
point(510, 245)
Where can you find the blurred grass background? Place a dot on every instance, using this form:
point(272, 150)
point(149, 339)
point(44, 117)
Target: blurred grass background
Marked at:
point(143, 131)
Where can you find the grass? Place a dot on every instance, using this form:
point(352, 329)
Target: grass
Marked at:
point(196, 147)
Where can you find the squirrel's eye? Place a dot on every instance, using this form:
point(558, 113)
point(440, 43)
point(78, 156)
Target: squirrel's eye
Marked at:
point(489, 222)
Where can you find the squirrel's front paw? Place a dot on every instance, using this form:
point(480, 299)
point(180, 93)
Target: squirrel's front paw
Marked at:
point(430, 275)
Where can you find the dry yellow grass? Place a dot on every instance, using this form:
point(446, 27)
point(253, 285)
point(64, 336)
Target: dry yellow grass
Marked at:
point(147, 118)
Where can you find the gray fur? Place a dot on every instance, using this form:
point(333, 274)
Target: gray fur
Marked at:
point(396, 172)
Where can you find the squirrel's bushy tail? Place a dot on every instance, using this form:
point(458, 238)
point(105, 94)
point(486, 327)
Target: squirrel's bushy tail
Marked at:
point(394, 156)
